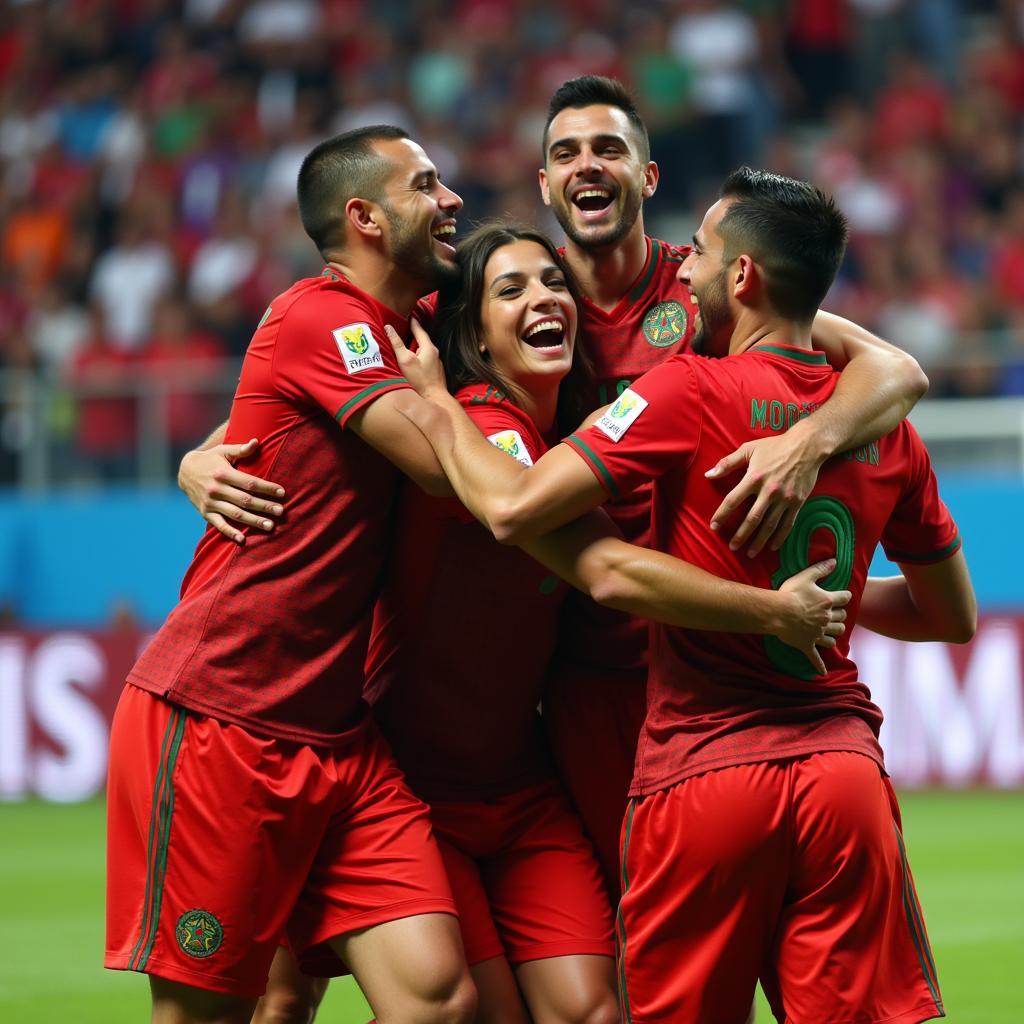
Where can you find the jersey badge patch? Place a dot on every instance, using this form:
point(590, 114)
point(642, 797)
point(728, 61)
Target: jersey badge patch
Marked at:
point(511, 443)
point(358, 347)
point(665, 324)
point(199, 933)
point(622, 415)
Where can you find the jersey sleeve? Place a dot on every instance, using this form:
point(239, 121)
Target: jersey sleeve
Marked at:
point(333, 349)
point(920, 530)
point(652, 427)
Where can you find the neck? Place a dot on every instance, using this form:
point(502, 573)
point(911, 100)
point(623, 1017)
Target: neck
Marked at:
point(379, 278)
point(540, 403)
point(606, 272)
point(754, 327)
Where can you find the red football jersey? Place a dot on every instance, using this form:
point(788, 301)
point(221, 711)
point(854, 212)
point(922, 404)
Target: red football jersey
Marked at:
point(463, 634)
point(272, 635)
point(653, 321)
point(717, 699)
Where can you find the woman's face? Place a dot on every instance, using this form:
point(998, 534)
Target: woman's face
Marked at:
point(527, 315)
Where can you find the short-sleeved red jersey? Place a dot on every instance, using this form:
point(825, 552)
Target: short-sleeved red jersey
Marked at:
point(653, 321)
point(716, 699)
point(272, 635)
point(462, 637)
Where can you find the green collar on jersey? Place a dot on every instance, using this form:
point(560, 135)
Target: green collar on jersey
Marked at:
point(801, 355)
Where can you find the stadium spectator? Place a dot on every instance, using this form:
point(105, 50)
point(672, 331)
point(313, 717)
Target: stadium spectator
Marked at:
point(102, 103)
point(181, 359)
point(102, 374)
point(129, 277)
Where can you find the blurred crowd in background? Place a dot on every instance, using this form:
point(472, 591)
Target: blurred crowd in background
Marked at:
point(149, 151)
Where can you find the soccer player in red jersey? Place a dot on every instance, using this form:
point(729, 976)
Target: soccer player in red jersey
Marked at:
point(762, 837)
point(597, 174)
point(249, 791)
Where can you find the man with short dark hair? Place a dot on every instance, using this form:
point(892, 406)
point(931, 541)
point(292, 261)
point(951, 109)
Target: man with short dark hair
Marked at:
point(762, 837)
point(597, 174)
point(250, 795)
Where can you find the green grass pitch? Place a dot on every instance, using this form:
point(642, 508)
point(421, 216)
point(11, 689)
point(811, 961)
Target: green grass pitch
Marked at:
point(966, 849)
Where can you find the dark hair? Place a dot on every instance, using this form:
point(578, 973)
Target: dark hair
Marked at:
point(458, 327)
point(337, 170)
point(595, 90)
point(792, 229)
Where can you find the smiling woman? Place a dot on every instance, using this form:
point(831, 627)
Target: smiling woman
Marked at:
point(511, 323)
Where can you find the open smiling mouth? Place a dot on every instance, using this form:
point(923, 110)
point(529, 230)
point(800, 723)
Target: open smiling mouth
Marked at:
point(445, 234)
point(547, 334)
point(593, 201)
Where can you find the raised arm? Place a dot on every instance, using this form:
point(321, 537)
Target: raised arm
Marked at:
point(878, 386)
point(927, 602)
point(591, 555)
point(224, 495)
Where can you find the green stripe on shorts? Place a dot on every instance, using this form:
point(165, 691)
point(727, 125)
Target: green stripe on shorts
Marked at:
point(916, 924)
point(619, 919)
point(159, 836)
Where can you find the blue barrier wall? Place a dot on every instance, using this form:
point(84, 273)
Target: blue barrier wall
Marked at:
point(70, 559)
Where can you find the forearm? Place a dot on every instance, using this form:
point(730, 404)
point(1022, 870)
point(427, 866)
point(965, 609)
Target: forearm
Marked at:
point(938, 605)
point(877, 388)
point(514, 502)
point(483, 478)
point(888, 608)
point(653, 585)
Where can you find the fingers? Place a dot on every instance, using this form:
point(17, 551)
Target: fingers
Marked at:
point(753, 519)
point(223, 497)
point(841, 598)
point(818, 570)
point(834, 629)
point(815, 659)
point(731, 502)
point(767, 531)
point(736, 460)
point(785, 527)
point(221, 524)
point(420, 334)
point(239, 515)
point(240, 451)
point(396, 339)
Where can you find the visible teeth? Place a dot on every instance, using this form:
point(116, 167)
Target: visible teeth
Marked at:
point(593, 193)
point(544, 325)
point(444, 229)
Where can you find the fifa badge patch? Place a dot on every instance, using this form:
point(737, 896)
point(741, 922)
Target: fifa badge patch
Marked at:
point(665, 324)
point(358, 347)
point(511, 443)
point(622, 415)
point(199, 933)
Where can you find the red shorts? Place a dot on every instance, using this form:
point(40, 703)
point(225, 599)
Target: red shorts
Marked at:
point(793, 871)
point(219, 842)
point(524, 877)
point(593, 721)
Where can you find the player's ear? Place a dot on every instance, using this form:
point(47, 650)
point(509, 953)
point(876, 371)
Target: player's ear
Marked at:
point(651, 176)
point(545, 192)
point(745, 276)
point(364, 217)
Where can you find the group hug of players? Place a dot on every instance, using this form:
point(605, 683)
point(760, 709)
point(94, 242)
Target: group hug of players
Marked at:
point(475, 689)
